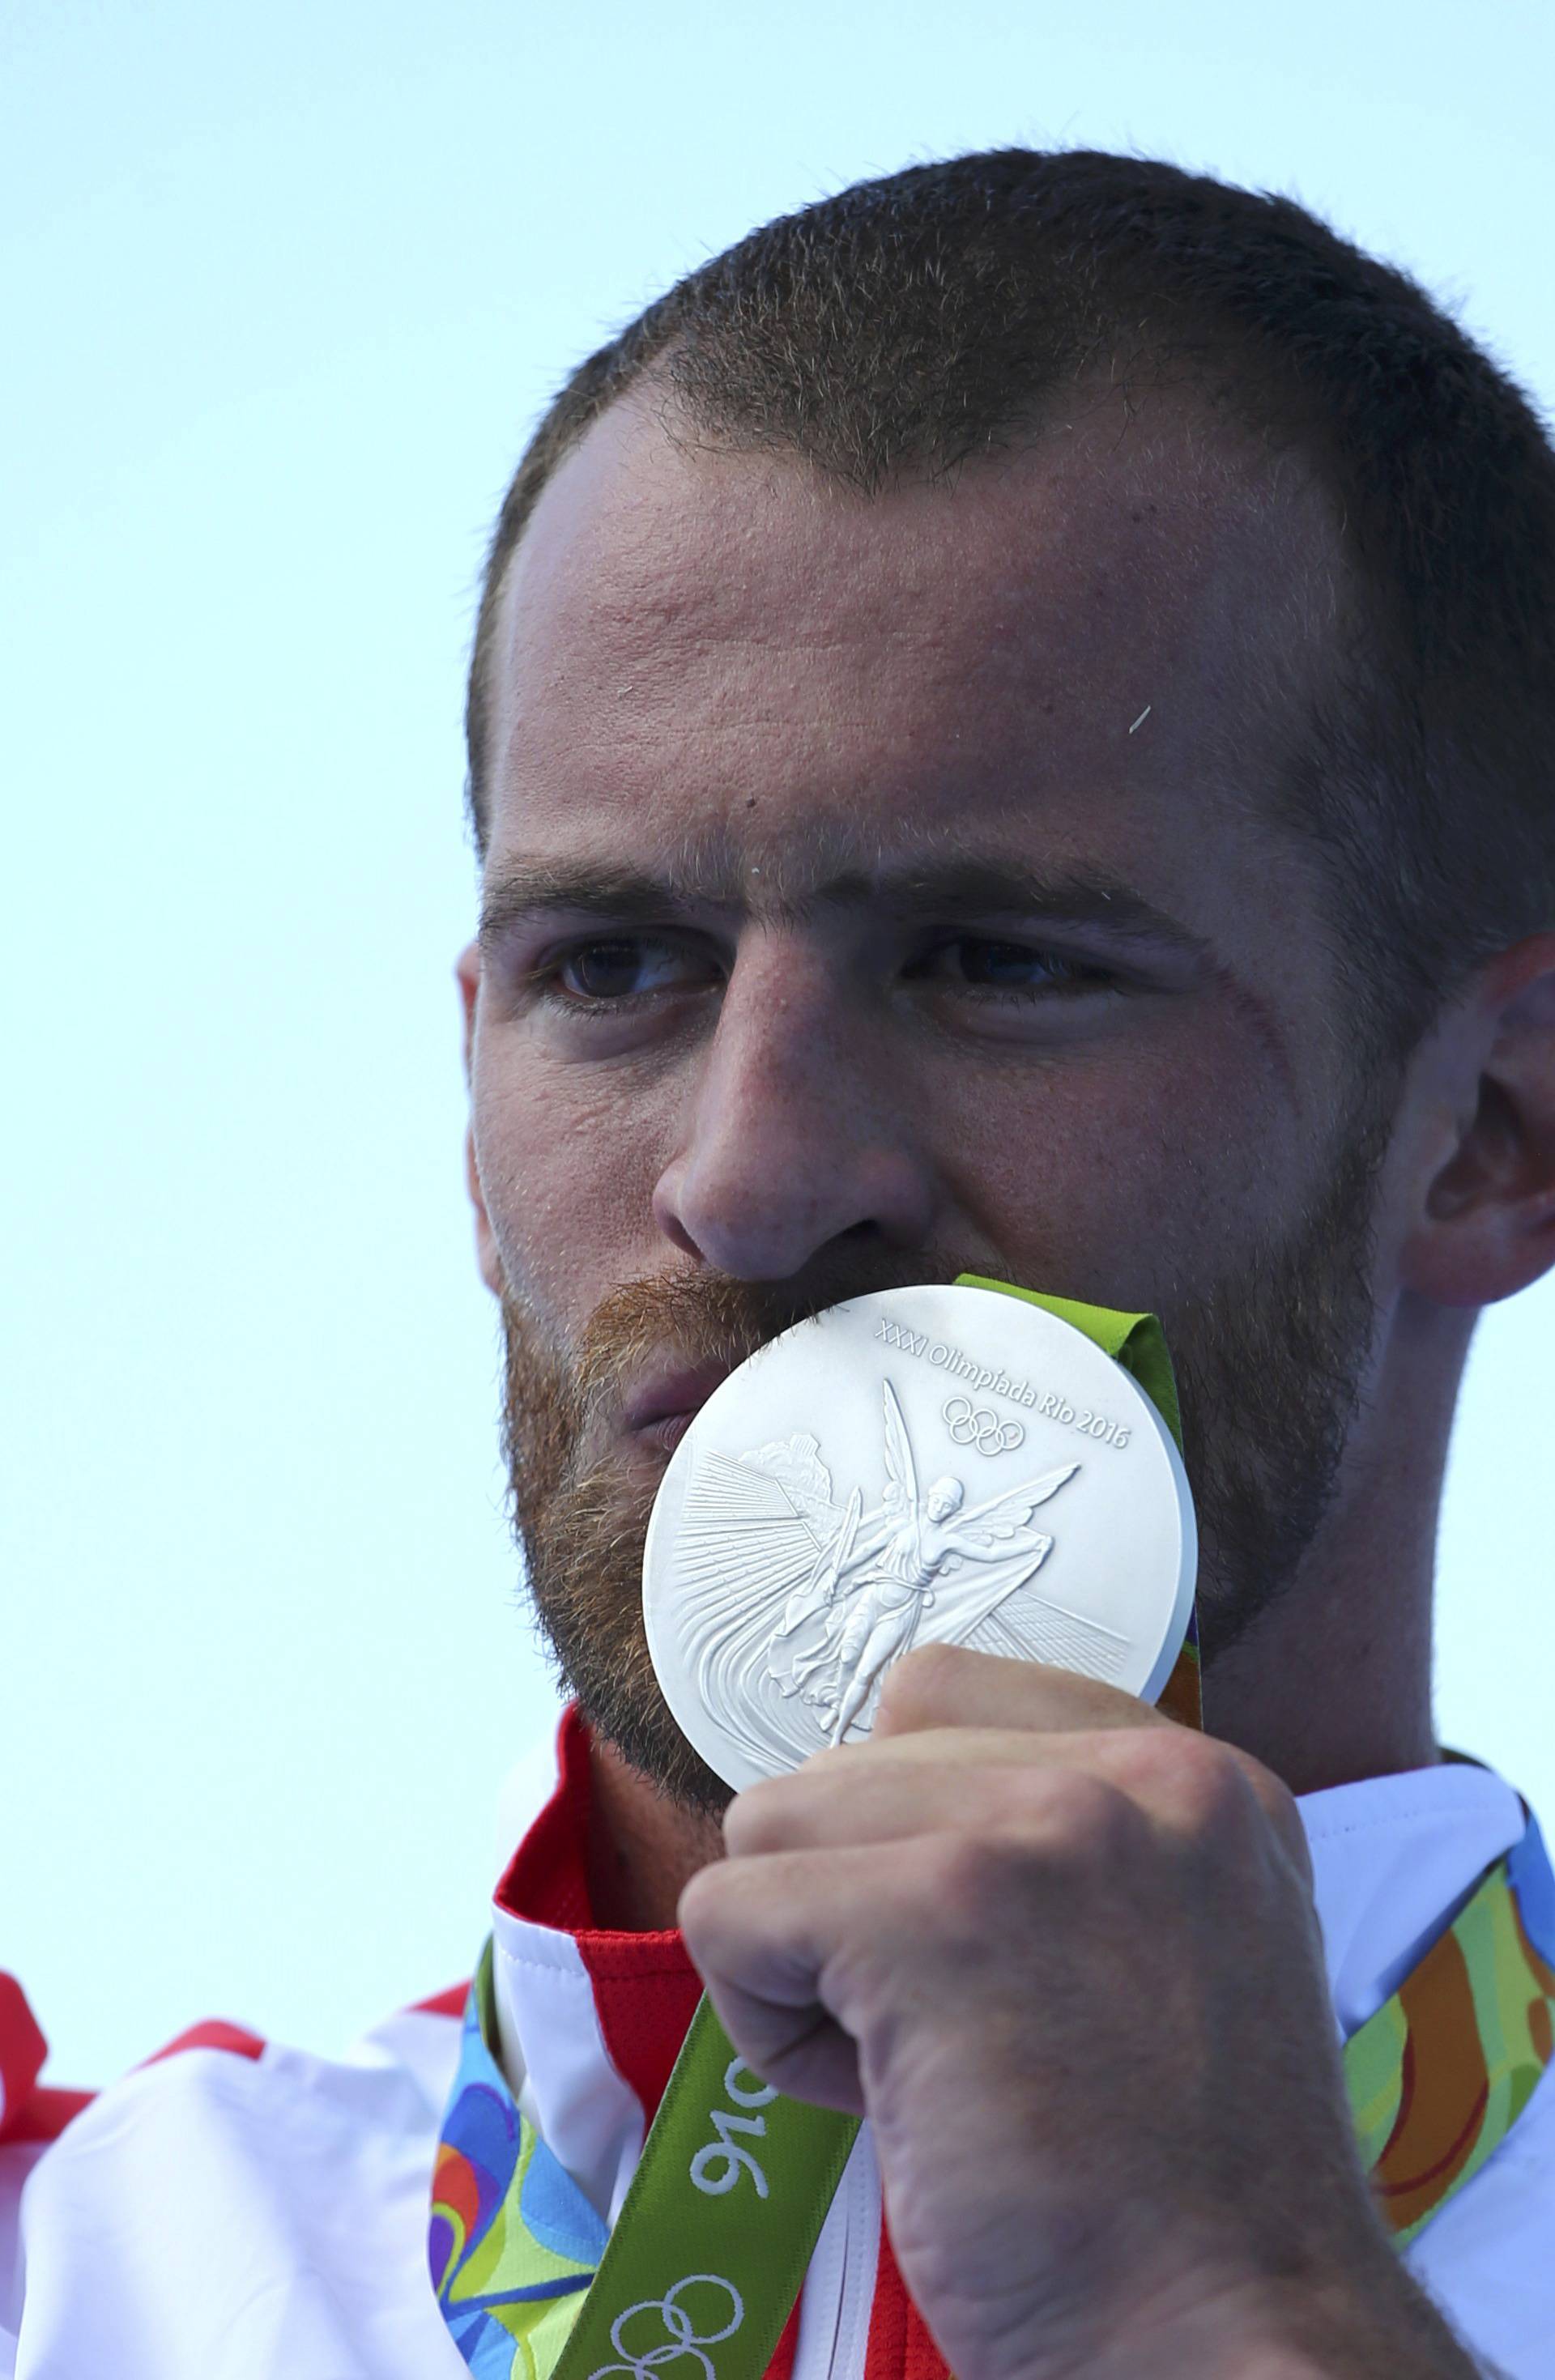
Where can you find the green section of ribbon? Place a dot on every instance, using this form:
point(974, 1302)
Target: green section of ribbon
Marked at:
point(1471, 2028)
point(1134, 1341)
point(1137, 1343)
point(711, 2245)
point(710, 2248)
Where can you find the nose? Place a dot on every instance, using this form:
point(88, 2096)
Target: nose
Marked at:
point(794, 1138)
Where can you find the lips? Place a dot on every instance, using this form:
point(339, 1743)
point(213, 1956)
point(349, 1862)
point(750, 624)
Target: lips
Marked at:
point(660, 1408)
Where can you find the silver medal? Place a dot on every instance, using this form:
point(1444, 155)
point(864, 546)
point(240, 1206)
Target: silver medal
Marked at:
point(922, 1465)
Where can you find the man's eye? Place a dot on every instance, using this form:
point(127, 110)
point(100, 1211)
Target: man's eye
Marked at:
point(621, 966)
point(984, 963)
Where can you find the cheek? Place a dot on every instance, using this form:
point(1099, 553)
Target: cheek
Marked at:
point(1129, 1173)
point(568, 1160)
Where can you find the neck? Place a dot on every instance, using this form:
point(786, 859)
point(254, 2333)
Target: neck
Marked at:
point(1333, 1682)
point(643, 1850)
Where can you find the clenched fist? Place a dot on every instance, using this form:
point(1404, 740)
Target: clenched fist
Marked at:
point(1063, 1954)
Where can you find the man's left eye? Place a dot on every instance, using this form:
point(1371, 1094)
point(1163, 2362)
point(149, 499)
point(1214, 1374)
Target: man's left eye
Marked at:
point(985, 963)
point(621, 966)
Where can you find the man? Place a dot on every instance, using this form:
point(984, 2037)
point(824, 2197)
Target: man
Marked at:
point(1009, 733)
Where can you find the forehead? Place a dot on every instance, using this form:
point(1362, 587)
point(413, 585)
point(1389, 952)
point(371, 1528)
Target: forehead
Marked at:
point(697, 641)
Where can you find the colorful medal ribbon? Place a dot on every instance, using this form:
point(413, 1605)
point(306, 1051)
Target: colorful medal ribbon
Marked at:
point(1138, 1343)
point(1442, 2072)
point(1437, 2079)
point(709, 2249)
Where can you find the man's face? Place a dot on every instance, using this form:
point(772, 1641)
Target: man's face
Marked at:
point(877, 889)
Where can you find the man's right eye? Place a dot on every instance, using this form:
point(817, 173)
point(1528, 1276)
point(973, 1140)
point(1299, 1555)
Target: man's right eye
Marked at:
point(626, 966)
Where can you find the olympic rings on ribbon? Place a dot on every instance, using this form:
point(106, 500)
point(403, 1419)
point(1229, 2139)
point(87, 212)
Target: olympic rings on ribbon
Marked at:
point(682, 2342)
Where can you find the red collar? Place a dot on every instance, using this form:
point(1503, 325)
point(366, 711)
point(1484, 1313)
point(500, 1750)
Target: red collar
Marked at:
point(645, 1987)
point(645, 1991)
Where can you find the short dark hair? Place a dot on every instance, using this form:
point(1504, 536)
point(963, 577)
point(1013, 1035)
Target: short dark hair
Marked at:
point(915, 322)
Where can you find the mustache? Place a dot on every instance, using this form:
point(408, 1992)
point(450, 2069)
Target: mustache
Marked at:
point(695, 1318)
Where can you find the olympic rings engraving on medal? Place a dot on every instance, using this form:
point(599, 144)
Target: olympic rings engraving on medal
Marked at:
point(971, 1425)
point(683, 2341)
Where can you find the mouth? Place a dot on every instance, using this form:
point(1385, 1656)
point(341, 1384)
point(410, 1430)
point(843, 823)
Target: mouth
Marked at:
point(662, 1406)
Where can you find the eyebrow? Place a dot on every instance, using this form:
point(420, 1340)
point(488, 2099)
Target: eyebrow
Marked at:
point(524, 892)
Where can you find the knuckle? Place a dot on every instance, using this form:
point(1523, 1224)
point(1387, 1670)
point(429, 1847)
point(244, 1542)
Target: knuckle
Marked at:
point(1088, 1817)
point(1057, 1829)
point(1214, 1788)
point(978, 1876)
point(921, 1690)
point(700, 1910)
point(1277, 1804)
point(1185, 1772)
point(757, 1819)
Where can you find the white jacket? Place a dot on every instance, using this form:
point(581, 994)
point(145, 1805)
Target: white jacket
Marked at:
point(238, 2210)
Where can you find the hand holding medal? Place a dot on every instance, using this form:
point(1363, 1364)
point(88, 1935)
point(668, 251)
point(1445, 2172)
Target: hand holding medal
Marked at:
point(955, 1893)
point(1001, 1905)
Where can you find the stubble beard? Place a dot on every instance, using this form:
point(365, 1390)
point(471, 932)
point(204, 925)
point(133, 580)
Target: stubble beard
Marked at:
point(1271, 1364)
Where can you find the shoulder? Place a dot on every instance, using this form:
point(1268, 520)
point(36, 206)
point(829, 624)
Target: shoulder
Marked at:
point(220, 2173)
point(417, 2047)
point(219, 2088)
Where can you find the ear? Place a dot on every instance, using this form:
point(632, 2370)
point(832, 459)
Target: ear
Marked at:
point(1484, 1224)
point(466, 973)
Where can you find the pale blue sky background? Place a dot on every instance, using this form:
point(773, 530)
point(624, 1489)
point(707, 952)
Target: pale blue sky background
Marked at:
point(284, 288)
